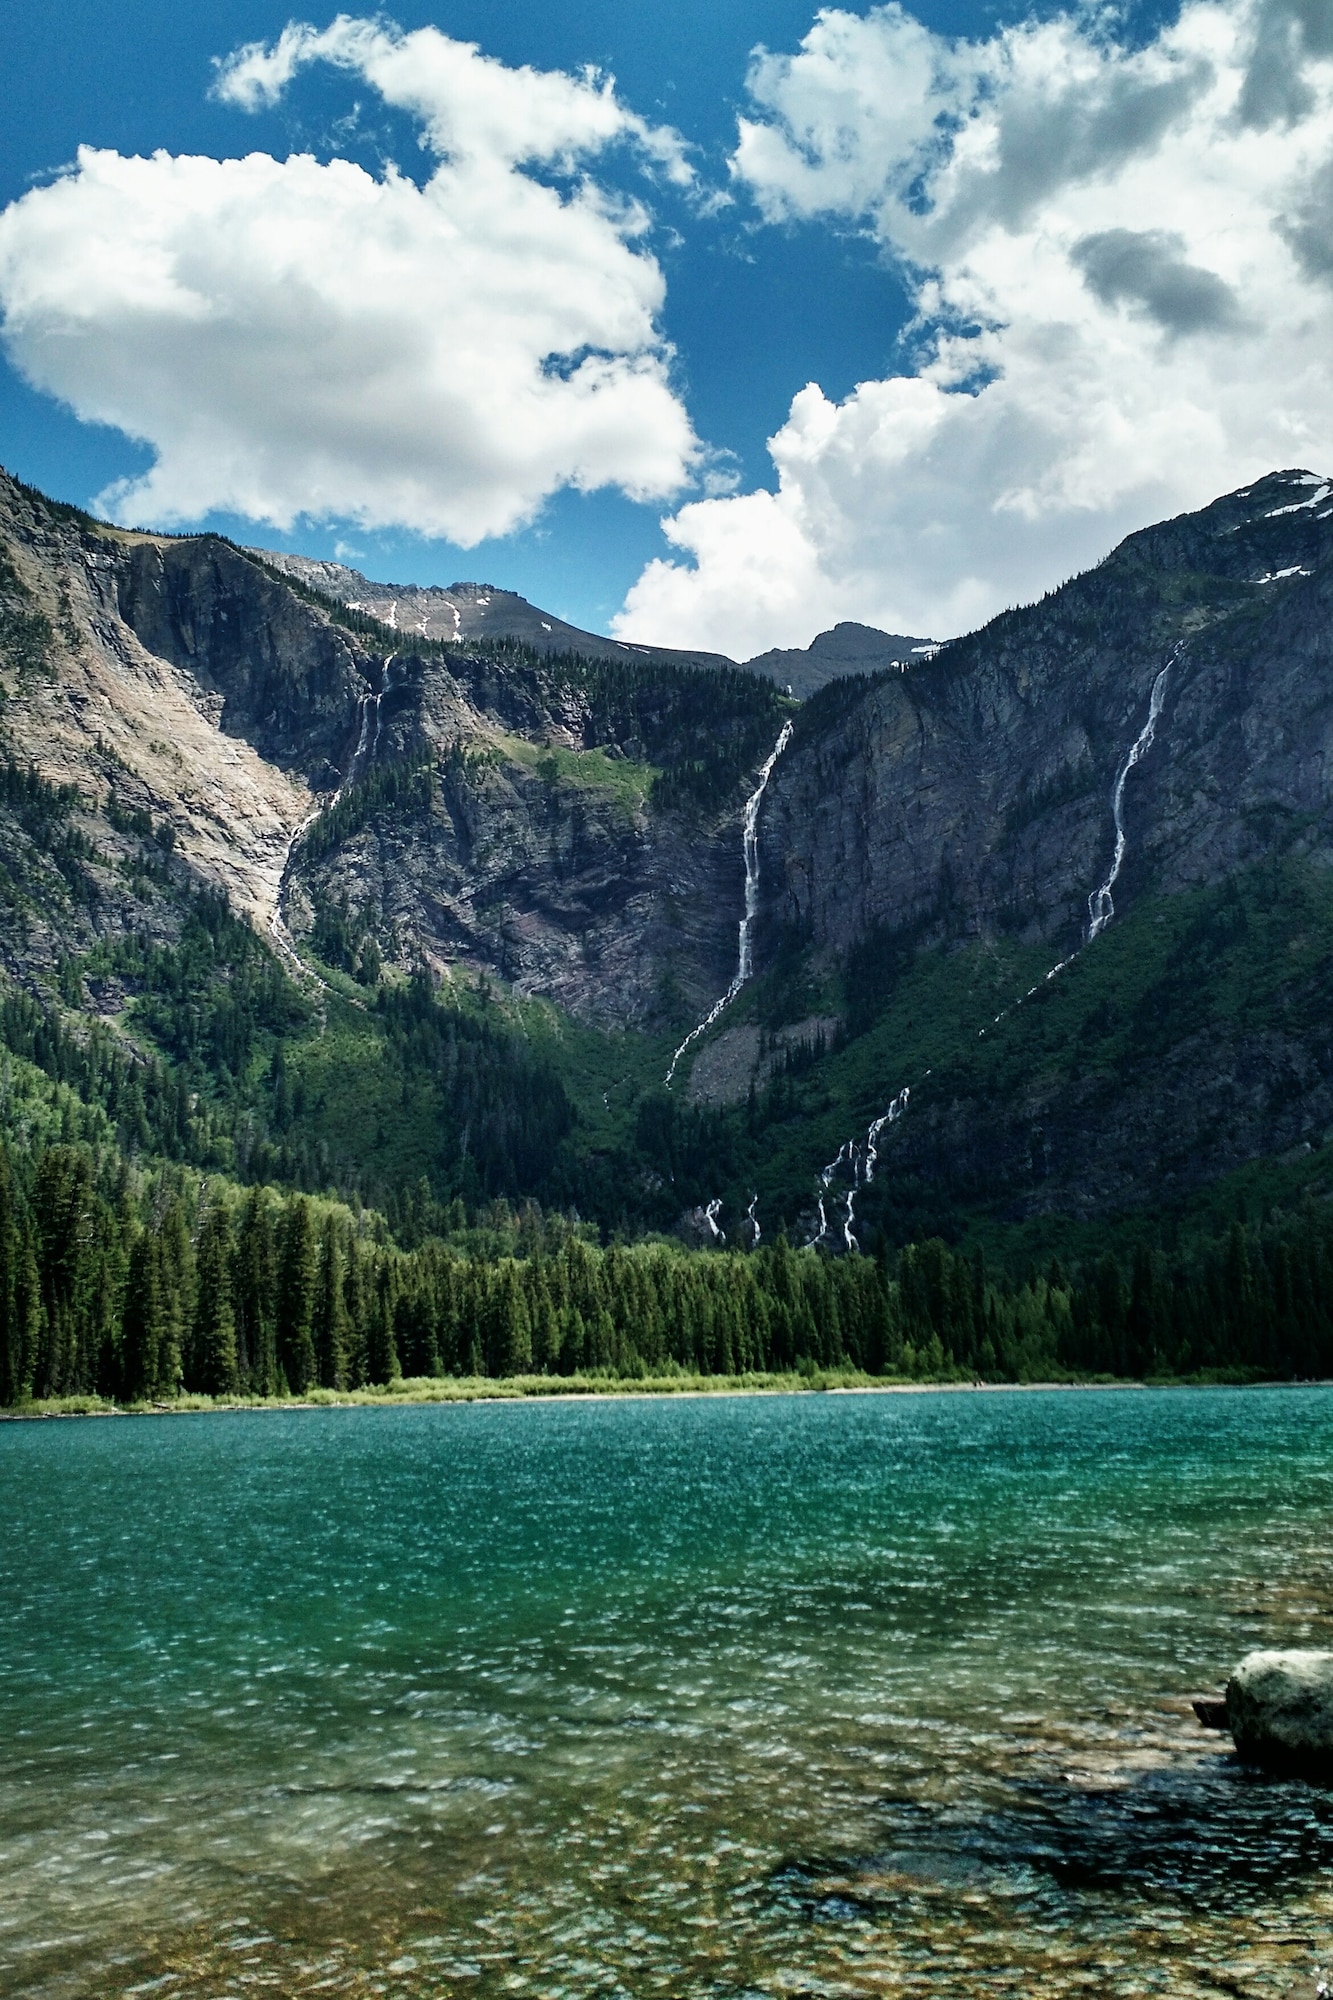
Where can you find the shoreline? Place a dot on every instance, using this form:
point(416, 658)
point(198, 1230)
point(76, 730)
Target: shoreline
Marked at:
point(453, 1392)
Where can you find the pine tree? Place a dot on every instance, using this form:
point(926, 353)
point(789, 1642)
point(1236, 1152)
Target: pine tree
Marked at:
point(1240, 1295)
point(545, 1331)
point(27, 1308)
point(331, 1325)
point(511, 1328)
point(11, 1346)
point(296, 1297)
point(143, 1323)
point(254, 1297)
point(57, 1206)
point(445, 1289)
point(1111, 1308)
point(214, 1343)
point(382, 1354)
point(176, 1275)
point(357, 1297)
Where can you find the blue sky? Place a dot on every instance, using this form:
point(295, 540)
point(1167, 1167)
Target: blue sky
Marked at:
point(931, 500)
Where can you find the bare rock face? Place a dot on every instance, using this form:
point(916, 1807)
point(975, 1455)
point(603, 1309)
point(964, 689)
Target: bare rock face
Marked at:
point(970, 796)
point(1280, 1711)
point(128, 729)
point(283, 678)
point(185, 681)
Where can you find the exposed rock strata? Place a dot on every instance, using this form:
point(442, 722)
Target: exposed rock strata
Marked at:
point(108, 715)
point(196, 685)
point(970, 796)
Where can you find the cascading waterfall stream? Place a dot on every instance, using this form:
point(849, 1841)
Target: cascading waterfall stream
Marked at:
point(277, 924)
point(745, 952)
point(369, 712)
point(1101, 908)
point(386, 683)
point(858, 1166)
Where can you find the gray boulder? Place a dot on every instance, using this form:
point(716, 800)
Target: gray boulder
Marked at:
point(1280, 1711)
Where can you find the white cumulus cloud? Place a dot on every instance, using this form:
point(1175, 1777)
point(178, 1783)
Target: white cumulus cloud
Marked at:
point(1122, 265)
point(295, 338)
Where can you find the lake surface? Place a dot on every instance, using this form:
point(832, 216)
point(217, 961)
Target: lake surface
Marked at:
point(795, 1695)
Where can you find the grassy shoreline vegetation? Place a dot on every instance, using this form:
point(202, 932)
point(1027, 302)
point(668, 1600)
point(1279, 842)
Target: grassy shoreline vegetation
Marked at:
point(406, 1393)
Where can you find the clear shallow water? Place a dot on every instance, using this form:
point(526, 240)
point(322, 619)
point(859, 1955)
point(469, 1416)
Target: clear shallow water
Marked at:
point(810, 1695)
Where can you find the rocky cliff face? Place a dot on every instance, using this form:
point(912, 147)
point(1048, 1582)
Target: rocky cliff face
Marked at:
point(283, 679)
point(970, 803)
point(526, 852)
point(135, 738)
point(971, 795)
point(186, 680)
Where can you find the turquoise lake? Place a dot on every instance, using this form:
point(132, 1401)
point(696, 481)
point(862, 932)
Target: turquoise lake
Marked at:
point(801, 1695)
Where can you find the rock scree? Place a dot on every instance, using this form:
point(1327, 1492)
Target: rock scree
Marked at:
point(1280, 1711)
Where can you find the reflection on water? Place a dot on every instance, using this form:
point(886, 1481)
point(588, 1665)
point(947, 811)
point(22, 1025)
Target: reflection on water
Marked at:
point(817, 1695)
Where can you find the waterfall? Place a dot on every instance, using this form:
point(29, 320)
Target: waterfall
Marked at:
point(752, 1217)
point(368, 708)
point(750, 849)
point(860, 1166)
point(370, 711)
point(277, 925)
point(1101, 909)
point(890, 1117)
point(849, 1157)
point(710, 1215)
point(745, 950)
point(386, 682)
point(1101, 906)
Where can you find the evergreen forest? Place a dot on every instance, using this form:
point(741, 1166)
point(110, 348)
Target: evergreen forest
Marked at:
point(139, 1288)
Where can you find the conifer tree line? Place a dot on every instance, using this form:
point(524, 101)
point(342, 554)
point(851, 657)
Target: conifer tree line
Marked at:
point(191, 1284)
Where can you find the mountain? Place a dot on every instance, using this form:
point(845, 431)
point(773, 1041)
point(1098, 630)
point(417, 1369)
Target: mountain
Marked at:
point(467, 611)
point(471, 611)
point(940, 834)
point(369, 890)
point(846, 649)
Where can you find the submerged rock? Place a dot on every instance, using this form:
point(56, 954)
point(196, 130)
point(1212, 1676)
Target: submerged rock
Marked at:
point(1280, 1710)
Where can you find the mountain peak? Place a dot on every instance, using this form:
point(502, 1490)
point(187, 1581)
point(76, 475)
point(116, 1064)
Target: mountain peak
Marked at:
point(846, 648)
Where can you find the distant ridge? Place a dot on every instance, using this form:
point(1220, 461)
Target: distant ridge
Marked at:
point(481, 611)
point(471, 611)
point(847, 649)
